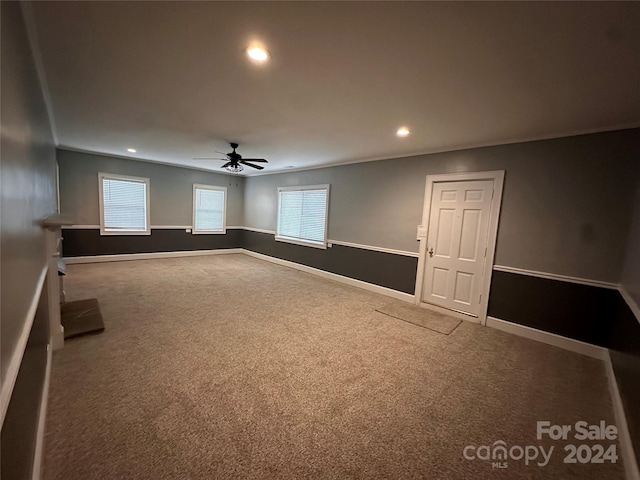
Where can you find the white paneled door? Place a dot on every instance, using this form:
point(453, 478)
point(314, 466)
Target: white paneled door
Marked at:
point(457, 244)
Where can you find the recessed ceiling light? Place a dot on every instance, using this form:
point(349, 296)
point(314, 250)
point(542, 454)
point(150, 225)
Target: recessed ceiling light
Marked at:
point(132, 150)
point(403, 132)
point(258, 54)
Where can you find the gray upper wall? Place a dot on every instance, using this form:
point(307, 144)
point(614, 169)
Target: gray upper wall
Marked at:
point(171, 188)
point(27, 179)
point(566, 206)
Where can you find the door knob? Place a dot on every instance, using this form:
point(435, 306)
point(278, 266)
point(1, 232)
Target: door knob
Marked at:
point(431, 252)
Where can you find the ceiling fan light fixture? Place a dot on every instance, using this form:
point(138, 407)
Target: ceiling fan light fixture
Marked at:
point(258, 54)
point(235, 168)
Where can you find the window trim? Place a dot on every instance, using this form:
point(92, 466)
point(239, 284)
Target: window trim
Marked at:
point(299, 241)
point(112, 176)
point(224, 211)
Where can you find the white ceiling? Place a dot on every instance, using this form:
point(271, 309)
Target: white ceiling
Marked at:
point(171, 79)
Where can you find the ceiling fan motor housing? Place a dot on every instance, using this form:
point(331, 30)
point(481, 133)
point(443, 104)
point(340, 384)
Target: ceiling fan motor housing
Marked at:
point(233, 155)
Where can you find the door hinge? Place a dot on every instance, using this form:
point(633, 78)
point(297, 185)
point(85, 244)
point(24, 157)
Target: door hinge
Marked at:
point(480, 300)
point(485, 252)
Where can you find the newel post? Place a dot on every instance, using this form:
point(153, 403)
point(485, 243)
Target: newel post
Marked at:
point(53, 244)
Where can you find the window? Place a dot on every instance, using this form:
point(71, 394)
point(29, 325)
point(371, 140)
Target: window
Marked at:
point(302, 215)
point(209, 209)
point(124, 205)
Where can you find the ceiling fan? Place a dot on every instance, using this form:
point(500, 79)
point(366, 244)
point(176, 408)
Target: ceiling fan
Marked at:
point(235, 161)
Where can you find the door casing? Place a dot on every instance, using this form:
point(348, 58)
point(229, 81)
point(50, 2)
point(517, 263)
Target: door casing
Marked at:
point(497, 176)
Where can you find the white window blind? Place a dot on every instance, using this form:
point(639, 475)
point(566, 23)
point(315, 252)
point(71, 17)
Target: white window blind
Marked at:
point(124, 206)
point(209, 209)
point(302, 215)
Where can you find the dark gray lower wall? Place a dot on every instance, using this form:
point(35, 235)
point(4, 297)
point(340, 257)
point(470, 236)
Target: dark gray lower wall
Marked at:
point(624, 344)
point(87, 242)
point(20, 427)
point(397, 272)
point(581, 312)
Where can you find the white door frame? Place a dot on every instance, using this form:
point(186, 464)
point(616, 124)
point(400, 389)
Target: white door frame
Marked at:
point(498, 181)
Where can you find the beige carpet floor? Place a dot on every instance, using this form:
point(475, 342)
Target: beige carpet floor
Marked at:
point(231, 367)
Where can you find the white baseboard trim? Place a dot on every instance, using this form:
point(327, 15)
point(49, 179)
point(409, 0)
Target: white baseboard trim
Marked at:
point(555, 276)
point(570, 344)
point(148, 256)
point(16, 357)
point(624, 437)
point(42, 417)
point(194, 253)
point(334, 276)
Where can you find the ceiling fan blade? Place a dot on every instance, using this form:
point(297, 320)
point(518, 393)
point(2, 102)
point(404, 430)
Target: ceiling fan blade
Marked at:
point(226, 164)
point(255, 160)
point(209, 158)
point(221, 153)
point(251, 165)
